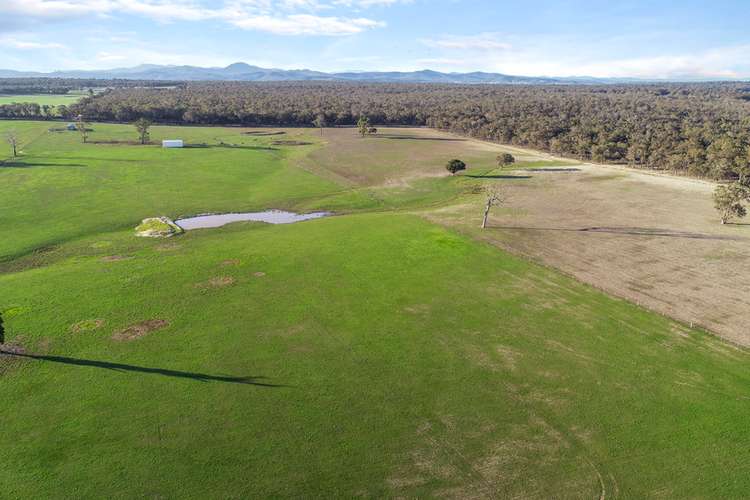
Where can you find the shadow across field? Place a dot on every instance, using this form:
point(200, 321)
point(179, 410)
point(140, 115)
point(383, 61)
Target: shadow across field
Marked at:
point(552, 169)
point(498, 176)
point(229, 146)
point(201, 377)
point(416, 138)
point(632, 231)
point(33, 164)
point(114, 142)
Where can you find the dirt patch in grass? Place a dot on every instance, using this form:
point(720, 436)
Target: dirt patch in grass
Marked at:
point(115, 258)
point(259, 274)
point(221, 281)
point(87, 325)
point(230, 263)
point(417, 309)
point(138, 330)
point(217, 282)
point(7, 359)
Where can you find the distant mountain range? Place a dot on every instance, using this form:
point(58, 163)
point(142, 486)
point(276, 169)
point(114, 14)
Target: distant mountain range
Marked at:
point(247, 73)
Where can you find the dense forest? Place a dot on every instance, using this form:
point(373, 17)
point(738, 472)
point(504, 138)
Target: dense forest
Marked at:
point(698, 129)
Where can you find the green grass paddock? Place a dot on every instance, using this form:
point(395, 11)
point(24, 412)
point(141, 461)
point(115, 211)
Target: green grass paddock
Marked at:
point(368, 354)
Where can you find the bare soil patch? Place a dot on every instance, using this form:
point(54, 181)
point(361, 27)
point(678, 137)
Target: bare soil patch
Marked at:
point(650, 238)
point(259, 274)
point(230, 263)
point(138, 330)
point(7, 359)
point(217, 282)
point(87, 325)
point(115, 258)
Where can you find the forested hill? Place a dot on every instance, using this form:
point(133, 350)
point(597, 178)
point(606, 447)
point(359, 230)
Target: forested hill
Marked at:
point(246, 73)
point(699, 129)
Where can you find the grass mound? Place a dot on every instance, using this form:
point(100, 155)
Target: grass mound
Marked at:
point(158, 227)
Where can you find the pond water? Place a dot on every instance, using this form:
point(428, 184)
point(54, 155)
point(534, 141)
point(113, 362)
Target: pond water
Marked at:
point(268, 216)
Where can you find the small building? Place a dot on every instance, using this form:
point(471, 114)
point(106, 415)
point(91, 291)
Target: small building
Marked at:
point(172, 143)
point(71, 126)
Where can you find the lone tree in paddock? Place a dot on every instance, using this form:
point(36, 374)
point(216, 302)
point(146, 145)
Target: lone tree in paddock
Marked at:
point(83, 128)
point(505, 159)
point(364, 126)
point(142, 125)
point(728, 201)
point(320, 122)
point(454, 166)
point(494, 197)
point(12, 137)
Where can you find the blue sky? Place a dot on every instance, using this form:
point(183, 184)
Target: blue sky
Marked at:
point(606, 38)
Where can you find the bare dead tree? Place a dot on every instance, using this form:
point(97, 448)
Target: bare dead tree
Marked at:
point(12, 137)
point(495, 197)
point(82, 127)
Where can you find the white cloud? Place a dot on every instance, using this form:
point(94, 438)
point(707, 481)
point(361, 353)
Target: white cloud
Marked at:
point(15, 43)
point(539, 55)
point(441, 61)
point(282, 17)
point(722, 62)
point(369, 3)
point(484, 41)
point(138, 55)
point(305, 24)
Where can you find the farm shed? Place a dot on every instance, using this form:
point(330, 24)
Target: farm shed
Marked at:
point(172, 143)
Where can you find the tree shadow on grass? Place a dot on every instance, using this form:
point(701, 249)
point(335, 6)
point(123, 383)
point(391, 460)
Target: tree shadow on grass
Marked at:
point(200, 377)
point(499, 176)
point(416, 138)
point(24, 164)
point(230, 146)
point(632, 231)
point(551, 169)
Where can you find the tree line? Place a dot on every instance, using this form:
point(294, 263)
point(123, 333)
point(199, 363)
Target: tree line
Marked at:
point(32, 85)
point(697, 129)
